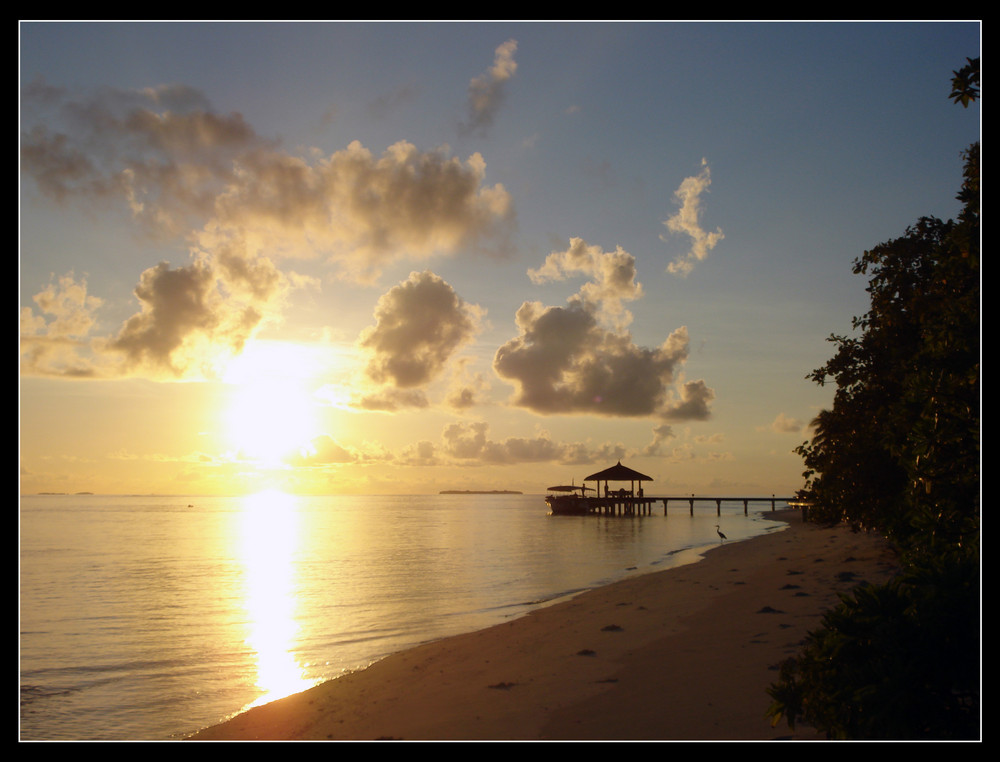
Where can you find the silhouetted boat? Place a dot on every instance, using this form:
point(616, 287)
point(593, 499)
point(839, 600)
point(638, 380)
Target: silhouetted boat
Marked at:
point(570, 504)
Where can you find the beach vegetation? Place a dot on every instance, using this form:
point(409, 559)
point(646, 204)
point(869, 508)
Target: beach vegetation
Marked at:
point(898, 453)
point(898, 661)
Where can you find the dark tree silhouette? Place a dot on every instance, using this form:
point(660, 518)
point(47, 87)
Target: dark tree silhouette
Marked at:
point(898, 453)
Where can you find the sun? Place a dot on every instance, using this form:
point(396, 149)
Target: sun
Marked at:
point(272, 412)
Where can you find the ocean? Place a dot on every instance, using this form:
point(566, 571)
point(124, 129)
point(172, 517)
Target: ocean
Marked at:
point(149, 618)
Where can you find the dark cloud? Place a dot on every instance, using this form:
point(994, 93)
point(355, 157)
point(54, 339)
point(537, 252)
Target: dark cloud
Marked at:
point(362, 212)
point(181, 168)
point(419, 325)
point(661, 434)
point(192, 318)
point(242, 204)
point(159, 149)
point(177, 306)
point(693, 404)
point(580, 359)
point(466, 389)
point(565, 362)
point(486, 91)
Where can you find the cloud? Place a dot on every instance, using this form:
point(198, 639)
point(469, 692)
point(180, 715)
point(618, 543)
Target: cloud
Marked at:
point(565, 362)
point(470, 442)
point(661, 434)
point(466, 441)
point(422, 453)
point(419, 325)
point(192, 317)
point(688, 221)
point(241, 205)
point(579, 358)
point(693, 404)
point(323, 450)
point(183, 170)
point(612, 277)
point(389, 400)
point(56, 342)
point(362, 212)
point(487, 90)
point(159, 149)
point(382, 106)
point(466, 388)
point(71, 307)
point(782, 424)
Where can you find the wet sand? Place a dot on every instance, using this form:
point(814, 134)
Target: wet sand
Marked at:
point(679, 654)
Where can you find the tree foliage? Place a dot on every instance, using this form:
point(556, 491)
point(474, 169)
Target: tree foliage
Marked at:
point(898, 453)
point(892, 662)
point(965, 83)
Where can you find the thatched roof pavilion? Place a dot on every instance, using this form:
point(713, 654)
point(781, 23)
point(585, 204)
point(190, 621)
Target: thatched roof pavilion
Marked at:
point(618, 473)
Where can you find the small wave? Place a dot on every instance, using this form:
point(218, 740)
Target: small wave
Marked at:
point(31, 694)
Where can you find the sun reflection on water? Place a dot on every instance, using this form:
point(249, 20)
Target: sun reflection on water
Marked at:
point(270, 529)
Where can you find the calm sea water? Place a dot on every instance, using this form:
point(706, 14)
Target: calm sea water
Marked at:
point(148, 618)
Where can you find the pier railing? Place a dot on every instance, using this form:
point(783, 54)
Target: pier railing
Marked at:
point(692, 499)
point(624, 503)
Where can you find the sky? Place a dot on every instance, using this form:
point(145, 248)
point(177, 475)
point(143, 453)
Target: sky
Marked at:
point(398, 258)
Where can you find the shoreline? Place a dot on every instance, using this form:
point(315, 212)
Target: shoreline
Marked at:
point(685, 653)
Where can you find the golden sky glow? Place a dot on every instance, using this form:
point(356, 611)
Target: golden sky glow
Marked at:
point(401, 258)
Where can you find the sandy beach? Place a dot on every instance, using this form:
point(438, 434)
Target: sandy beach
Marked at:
point(680, 654)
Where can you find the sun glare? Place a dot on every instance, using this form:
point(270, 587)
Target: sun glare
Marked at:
point(270, 534)
point(272, 413)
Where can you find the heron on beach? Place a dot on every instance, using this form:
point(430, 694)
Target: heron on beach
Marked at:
point(719, 532)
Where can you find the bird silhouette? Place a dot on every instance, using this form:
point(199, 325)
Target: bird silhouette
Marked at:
point(719, 532)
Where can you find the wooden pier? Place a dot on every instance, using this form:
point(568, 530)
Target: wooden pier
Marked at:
point(692, 499)
point(621, 505)
point(632, 505)
point(633, 501)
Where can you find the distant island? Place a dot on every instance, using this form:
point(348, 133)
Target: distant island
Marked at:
point(480, 492)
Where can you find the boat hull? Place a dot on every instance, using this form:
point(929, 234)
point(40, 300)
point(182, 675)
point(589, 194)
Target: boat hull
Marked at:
point(567, 505)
